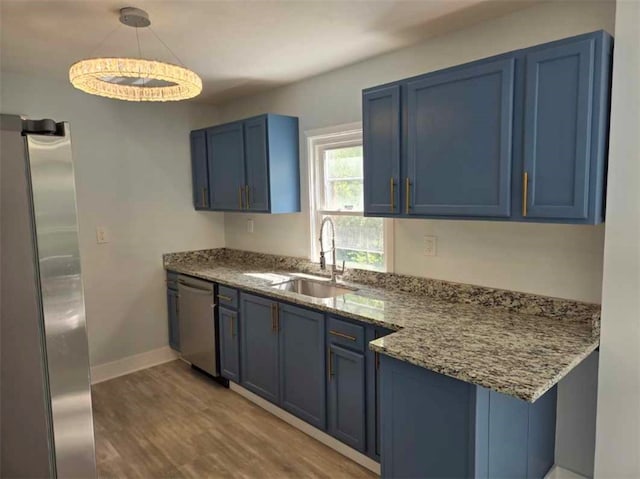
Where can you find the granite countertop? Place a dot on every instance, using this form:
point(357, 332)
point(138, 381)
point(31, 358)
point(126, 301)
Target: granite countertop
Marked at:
point(499, 346)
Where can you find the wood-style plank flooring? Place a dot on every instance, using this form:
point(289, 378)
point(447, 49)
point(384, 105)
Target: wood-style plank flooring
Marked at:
point(172, 421)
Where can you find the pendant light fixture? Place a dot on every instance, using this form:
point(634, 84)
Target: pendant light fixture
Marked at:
point(135, 79)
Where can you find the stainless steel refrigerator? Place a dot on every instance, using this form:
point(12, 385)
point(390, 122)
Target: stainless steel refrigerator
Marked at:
point(46, 423)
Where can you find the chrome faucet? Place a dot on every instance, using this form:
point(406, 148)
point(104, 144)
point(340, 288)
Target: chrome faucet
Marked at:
point(323, 262)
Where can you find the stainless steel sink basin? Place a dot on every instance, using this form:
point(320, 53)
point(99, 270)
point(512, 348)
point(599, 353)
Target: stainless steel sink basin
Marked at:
point(315, 289)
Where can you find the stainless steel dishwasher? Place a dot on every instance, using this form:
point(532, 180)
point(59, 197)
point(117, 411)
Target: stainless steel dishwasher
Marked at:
point(198, 328)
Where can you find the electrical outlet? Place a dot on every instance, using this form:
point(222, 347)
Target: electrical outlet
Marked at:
point(101, 235)
point(249, 226)
point(430, 246)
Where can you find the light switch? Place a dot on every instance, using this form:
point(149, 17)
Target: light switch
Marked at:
point(101, 235)
point(249, 226)
point(430, 246)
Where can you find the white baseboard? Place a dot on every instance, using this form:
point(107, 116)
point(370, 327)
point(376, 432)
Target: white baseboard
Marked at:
point(558, 472)
point(130, 364)
point(308, 429)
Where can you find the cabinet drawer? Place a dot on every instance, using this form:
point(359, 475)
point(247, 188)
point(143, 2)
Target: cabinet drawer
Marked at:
point(345, 334)
point(228, 297)
point(172, 280)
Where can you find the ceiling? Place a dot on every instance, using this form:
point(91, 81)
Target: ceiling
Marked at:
point(237, 47)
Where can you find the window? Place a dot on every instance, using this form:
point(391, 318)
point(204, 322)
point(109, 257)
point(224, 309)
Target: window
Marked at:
point(336, 187)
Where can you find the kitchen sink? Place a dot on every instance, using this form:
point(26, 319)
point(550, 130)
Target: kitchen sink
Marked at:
point(313, 288)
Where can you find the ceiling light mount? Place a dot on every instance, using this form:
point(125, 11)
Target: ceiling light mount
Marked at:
point(134, 17)
point(135, 79)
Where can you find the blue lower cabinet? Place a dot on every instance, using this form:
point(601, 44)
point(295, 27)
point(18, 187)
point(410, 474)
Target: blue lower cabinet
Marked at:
point(229, 344)
point(373, 393)
point(302, 364)
point(436, 426)
point(172, 308)
point(259, 347)
point(347, 405)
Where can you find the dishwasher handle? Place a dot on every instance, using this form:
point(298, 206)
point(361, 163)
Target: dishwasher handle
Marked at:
point(195, 289)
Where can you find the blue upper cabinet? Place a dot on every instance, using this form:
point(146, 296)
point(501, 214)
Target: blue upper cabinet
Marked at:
point(199, 170)
point(251, 165)
point(521, 136)
point(459, 141)
point(257, 171)
point(563, 160)
point(225, 158)
point(381, 143)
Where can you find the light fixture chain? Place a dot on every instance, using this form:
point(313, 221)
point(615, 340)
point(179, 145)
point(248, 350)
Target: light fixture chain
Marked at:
point(104, 40)
point(166, 46)
point(144, 82)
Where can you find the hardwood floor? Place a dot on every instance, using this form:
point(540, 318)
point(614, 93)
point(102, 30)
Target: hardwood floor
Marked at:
point(171, 421)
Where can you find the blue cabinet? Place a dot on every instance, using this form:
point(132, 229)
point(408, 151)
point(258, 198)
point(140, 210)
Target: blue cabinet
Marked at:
point(353, 384)
point(347, 402)
point(302, 363)
point(259, 340)
point(373, 393)
point(257, 171)
point(225, 159)
point(172, 310)
point(249, 165)
point(521, 136)
point(199, 169)
point(437, 426)
point(381, 143)
point(458, 134)
point(564, 132)
point(283, 356)
point(229, 344)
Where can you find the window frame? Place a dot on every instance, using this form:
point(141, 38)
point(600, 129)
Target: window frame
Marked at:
point(317, 142)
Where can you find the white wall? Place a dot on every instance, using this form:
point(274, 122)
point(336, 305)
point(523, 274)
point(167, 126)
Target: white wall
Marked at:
point(618, 425)
point(133, 176)
point(556, 260)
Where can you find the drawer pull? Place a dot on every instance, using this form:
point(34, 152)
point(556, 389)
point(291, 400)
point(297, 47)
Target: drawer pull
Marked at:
point(393, 195)
point(342, 335)
point(273, 318)
point(407, 191)
point(331, 373)
point(525, 192)
point(233, 326)
point(224, 297)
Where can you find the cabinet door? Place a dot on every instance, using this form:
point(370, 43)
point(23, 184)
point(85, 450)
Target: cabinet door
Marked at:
point(459, 137)
point(229, 344)
point(259, 346)
point(381, 143)
point(225, 158)
point(199, 172)
point(257, 171)
point(347, 396)
point(558, 113)
point(172, 308)
point(302, 364)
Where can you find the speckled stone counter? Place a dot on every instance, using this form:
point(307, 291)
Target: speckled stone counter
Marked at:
point(514, 343)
